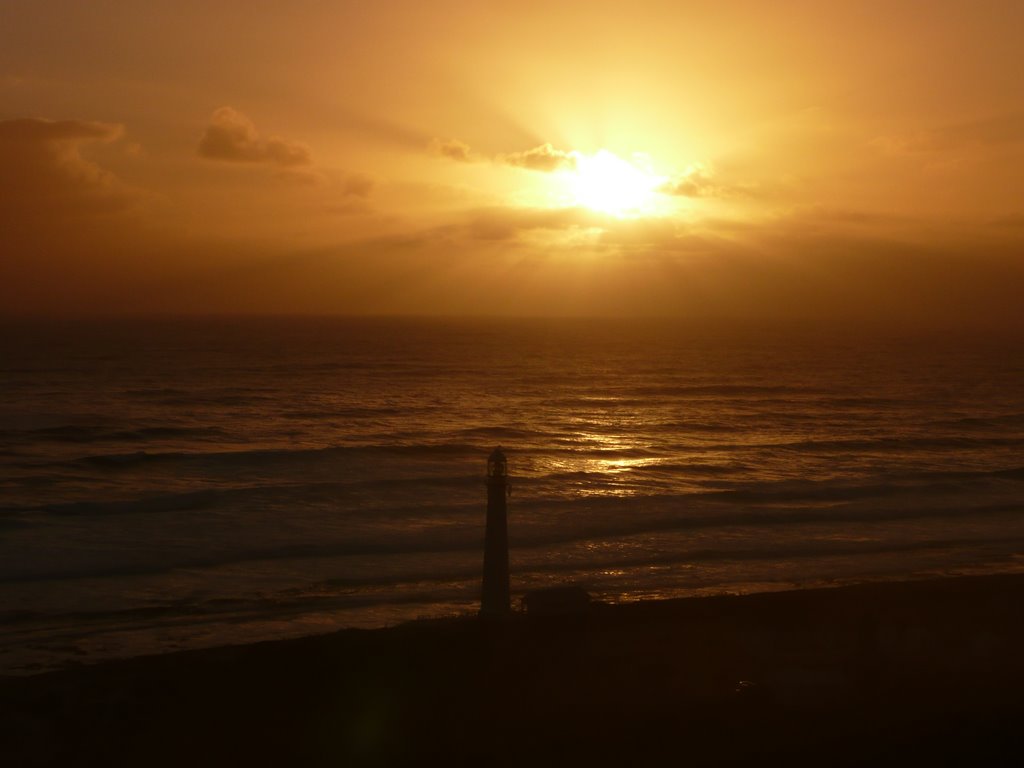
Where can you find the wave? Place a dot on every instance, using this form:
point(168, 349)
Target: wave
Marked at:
point(1002, 421)
point(897, 443)
point(78, 433)
point(724, 390)
point(263, 456)
point(468, 541)
point(503, 433)
point(570, 523)
point(288, 495)
point(791, 551)
point(22, 626)
point(378, 490)
point(878, 485)
point(351, 412)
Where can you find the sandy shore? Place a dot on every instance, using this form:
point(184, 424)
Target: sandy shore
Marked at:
point(917, 673)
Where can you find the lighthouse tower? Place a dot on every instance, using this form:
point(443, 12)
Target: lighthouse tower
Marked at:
point(494, 598)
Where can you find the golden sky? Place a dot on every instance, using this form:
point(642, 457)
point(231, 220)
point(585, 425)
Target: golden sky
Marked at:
point(795, 159)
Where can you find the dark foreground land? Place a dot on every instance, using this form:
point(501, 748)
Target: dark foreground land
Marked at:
point(920, 673)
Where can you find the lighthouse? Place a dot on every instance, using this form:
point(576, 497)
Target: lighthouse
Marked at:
point(494, 597)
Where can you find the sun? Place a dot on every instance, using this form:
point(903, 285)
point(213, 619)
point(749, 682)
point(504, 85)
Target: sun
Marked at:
point(606, 183)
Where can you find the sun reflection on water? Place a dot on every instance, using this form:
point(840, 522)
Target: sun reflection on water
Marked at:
point(622, 454)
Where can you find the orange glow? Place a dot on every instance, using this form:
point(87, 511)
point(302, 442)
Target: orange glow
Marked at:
point(405, 159)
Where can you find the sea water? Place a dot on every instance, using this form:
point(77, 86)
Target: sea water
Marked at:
point(177, 483)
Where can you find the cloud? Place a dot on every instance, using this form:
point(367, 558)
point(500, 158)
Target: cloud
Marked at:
point(355, 193)
point(1004, 129)
point(1012, 221)
point(231, 136)
point(453, 149)
point(695, 182)
point(699, 181)
point(510, 223)
point(358, 185)
point(43, 173)
point(543, 158)
point(64, 218)
point(1001, 129)
point(37, 130)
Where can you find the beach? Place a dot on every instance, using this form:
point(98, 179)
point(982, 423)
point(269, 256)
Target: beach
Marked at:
point(910, 673)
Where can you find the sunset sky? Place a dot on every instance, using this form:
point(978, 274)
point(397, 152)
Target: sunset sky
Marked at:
point(860, 161)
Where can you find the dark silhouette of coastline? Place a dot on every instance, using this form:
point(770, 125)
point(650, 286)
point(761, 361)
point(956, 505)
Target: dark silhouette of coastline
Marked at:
point(913, 673)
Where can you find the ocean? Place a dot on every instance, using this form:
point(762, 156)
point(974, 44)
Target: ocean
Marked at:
point(175, 483)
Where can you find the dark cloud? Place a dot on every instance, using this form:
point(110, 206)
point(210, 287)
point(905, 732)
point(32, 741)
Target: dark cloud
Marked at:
point(543, 158)
point(69, 228)
point(1002, 129)
point(44, 176)
point(453, 150)
point(778, 270)
point(698, 181)
point(510, 223)
point(36, 130)
point(355, 190)
point(358, 185)
point(233, 137)
point(1013, 221)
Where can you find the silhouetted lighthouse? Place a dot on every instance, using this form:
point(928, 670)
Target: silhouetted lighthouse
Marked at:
point(494, 598)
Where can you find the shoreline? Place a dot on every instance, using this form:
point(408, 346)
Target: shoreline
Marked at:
point(107, 644)
point(877, 670)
